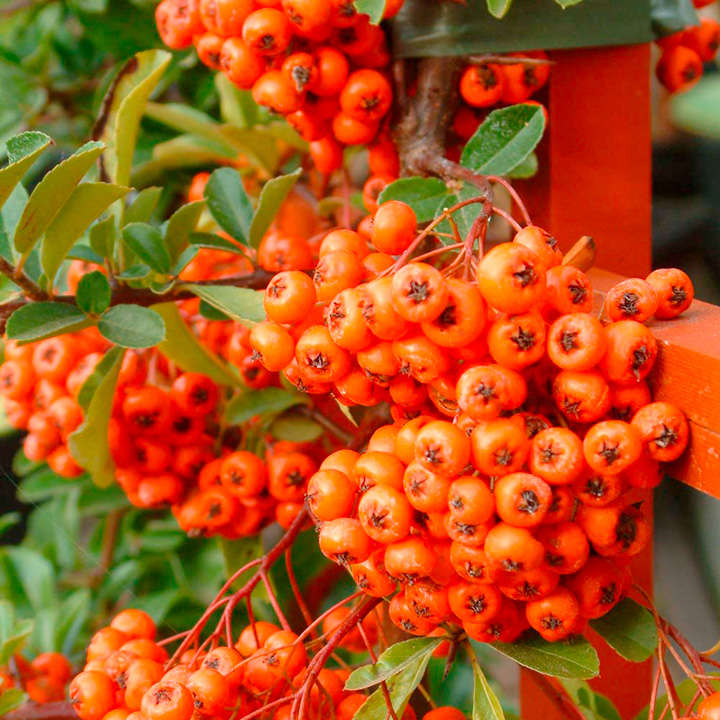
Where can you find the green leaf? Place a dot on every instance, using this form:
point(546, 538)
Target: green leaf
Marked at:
point(16, 639)
point(373, 8)
point(22, 150)
point(504, 139)
point(42, 484)
point(238, 553)
point(401, 686)
point(147, 243)
point(93, 293)
point(294, 427)
point(216, 242)
point(85, 205)
point(229, 204)
point(103, 236)
point(260, 143)
point(8, 521)
point(186, 119)
point(422, 194)
point(11, 699)
point(74, 613)
point(181, 223)
point(395, 659)
point(89, 443)
point(241, 304)
point(571, 658)
point(567, 3)
point(182, 347)
point(123, 108)
point(139, 271)
point(9, 218)
point(592, 705)
point(143, 206)
point(272, 197)
point(90, 386)
point(236, 106)
point(629, 629)
point(695, 111)
point(36, 576)
point(526, 169)
point(39, 320)
point(268, 401)
point(486, 705)
point(132, 326)
point(464, 217)
point(498, 8)
point(51, 193)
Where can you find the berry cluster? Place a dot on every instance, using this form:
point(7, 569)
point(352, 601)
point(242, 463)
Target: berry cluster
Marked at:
point(685, 52)
point(316, 62)
point(127, 675)
point(164, 433)
point(44, 679)
point(524, 508)
point(489, 84)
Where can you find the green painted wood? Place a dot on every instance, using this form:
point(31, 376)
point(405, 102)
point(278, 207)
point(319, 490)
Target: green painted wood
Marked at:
point(442, 27)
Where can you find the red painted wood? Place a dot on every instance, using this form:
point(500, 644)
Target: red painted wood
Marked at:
point(596, 180)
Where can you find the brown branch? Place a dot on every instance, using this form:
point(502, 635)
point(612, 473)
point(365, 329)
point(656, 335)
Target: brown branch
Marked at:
point(43, 711)
point(31, 290)
point(420, 132)
point(256, 280)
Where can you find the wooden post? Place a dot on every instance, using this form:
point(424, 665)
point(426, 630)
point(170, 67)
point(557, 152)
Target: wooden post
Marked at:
point(595, 180)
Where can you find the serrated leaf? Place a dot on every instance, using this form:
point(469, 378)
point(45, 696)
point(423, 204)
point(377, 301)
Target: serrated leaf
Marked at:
point(132, 326)
point(592, 705)
point(629, 629)
point(89, 443)
point(498, 8)
point(272, 197)
point(504, 139)
point(293, 427)
point(39, 320)
point(179, 227)
point(143, 206)
point(400, 686)
point(87, 202)
point(571, 658)
point(147, 243)
point(11, 699)
point(22, 150)
point(229, 204)
point(392, 661)
point(93, 293)
point(373, 8)
point(486, 705)
point(241, 304)
point(51, 194)
point(267, 401)
point(423, 195)
point(123, 108)
point(182, 347)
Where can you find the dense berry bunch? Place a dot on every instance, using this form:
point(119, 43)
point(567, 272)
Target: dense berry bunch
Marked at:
point(684, 54)
point(44, 679)
point(525, 507)
point(317, 62)
point(127, 675)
